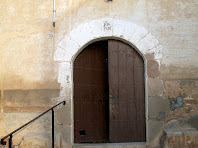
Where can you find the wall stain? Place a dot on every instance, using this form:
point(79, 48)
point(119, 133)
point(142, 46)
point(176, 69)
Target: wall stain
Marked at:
point(176, 102)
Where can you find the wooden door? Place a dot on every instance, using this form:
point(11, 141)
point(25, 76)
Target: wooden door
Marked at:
point(126, 94)
point(89, 94)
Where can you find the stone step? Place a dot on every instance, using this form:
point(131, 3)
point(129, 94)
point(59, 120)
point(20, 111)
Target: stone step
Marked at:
point(181, 133)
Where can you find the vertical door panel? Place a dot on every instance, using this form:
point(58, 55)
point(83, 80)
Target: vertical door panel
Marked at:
point(126, 93)
point(89, 94)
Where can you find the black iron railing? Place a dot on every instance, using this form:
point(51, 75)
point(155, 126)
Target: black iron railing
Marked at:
point(10, 135)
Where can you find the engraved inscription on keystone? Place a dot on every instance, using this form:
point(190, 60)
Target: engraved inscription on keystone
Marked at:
point(107, 26)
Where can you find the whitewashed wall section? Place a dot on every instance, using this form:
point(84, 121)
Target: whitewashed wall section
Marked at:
point(69, 47)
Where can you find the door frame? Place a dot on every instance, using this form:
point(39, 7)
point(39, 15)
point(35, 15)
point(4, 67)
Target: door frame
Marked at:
point(69, 45)
point(145, 81)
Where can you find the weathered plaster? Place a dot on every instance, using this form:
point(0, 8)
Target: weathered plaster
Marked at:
point(27, 53)
point(25, 27)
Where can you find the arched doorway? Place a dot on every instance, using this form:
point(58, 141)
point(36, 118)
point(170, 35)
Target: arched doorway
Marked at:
point(109, 94)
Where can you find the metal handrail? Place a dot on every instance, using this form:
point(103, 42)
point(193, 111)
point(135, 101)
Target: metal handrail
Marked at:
point(11, 134)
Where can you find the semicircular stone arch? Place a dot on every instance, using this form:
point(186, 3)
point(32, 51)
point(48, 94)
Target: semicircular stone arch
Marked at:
point(105, 28)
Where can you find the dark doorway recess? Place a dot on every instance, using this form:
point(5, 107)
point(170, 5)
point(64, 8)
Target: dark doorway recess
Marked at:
point(109, 94)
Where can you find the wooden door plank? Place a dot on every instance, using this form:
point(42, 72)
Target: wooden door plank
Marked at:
point(113, 89)
point(126, 93)
point(89, 98)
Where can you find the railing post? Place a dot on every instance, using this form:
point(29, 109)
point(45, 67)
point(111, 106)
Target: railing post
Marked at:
point(10, 142)
point(52, 128)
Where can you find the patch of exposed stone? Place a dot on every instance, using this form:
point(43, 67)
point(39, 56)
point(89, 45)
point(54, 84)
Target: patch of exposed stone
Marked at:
point(184, 112)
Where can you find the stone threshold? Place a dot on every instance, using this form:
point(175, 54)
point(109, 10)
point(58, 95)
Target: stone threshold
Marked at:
point(111, 145)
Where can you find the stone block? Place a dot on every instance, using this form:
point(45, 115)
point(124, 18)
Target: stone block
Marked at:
point(157, 52)
point(64, 73)
point(64, 114)
point(139, 33)
point(82, 34)
point(185, 88)
point(155, 87)
point(69, 45)
point(147, 43)
point(157, 106)
point(154, 130)
point(62, 55)
point(118, 27)
point(153, 68)
point(65, 94)
point(66, 132)
point(128, 30)
point(101, 27)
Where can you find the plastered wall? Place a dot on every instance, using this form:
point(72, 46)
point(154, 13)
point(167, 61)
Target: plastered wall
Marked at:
point(30, 81)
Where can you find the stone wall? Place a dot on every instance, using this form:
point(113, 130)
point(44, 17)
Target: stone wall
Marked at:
point(36, 70)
